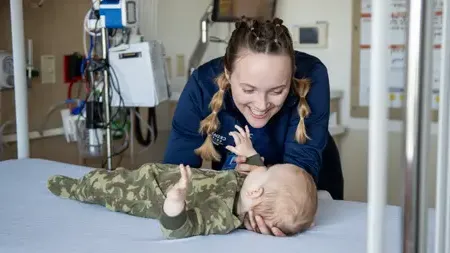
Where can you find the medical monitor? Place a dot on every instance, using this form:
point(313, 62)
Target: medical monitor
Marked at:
point(233, 10)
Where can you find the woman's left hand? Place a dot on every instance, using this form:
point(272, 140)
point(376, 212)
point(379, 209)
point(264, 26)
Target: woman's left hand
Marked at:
point(257, 224)
point(242, 167)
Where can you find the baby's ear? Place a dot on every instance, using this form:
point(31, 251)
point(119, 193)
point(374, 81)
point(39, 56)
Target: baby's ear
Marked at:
point(255, 193)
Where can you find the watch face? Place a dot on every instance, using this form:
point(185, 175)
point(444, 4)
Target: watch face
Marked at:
point(229, 164)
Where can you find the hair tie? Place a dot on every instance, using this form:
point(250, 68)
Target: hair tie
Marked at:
point(276, 40)
point(252, 28)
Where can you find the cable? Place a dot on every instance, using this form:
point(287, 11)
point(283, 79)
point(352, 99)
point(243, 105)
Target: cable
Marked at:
point(152, 127)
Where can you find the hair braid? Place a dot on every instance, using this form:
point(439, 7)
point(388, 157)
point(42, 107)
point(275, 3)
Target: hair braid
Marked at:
point(301, 87)
point(211, 123)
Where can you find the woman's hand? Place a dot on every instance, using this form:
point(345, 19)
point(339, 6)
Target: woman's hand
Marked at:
point(242, 167)
point(257, 224)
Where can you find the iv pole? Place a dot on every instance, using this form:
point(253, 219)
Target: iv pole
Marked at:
point(107, 108)
point(417, 125)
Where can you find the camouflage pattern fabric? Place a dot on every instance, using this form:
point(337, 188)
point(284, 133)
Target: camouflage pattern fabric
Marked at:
point(141, 192)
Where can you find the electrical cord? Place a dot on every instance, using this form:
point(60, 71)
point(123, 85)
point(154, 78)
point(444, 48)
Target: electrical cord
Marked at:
point(151, 121)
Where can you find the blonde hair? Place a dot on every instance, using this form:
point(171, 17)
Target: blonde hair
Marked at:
point(211, 123)
point(259, 37)
point(290, 205)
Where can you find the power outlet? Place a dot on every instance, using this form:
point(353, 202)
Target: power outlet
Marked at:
point(181, 69)
point(48, 72)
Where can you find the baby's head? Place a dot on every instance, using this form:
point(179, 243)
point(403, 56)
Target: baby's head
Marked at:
point(284, 195)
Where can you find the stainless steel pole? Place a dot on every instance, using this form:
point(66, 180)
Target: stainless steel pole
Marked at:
point(106, 100)
point(378, 127)
point(417, 124)
point(442, 183)
point(20, 79)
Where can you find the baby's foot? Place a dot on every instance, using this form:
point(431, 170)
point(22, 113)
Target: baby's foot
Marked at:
point(61, 185)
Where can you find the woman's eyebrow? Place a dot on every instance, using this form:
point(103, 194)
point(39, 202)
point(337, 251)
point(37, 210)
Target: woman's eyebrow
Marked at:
point(279, 87)
point(246, 84)
point(254, 87)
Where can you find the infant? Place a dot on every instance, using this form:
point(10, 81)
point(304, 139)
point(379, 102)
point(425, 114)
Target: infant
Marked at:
point(189, 202)
point(284, 195)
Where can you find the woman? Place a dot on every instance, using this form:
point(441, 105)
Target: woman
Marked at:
point(282, 95)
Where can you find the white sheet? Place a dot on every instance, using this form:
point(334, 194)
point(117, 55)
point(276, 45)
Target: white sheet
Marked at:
point(32, 220)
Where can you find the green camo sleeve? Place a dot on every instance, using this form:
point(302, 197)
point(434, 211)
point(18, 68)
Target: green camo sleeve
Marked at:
point(212, 217)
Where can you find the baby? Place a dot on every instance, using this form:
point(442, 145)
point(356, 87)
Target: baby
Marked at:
point(189, 202)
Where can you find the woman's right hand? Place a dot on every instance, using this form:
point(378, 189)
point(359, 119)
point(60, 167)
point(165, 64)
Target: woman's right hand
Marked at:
point(242, 167)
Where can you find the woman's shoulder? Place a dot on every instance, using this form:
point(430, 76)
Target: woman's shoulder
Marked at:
point(205, 75)
point(306, 64)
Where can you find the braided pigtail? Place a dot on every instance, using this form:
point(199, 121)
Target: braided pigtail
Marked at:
point(211, 123)
point(301, 87)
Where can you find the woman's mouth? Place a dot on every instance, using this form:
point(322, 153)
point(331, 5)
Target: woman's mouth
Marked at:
point(259, 114)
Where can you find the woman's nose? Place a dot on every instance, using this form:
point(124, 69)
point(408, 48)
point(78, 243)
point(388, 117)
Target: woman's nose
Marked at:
point(261, 103)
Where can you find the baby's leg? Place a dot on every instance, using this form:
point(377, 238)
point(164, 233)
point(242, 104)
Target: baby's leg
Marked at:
point(91, 188)
point(62, 186)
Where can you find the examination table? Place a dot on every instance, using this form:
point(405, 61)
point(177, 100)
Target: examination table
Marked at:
point(32, 220)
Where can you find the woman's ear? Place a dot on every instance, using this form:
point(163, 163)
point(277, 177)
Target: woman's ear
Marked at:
point(255, 192)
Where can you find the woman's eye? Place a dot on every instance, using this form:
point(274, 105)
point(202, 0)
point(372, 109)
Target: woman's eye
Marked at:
point(247, 91)
point(277, 92)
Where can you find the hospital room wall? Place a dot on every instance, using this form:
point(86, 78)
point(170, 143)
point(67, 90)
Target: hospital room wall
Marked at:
point(55, 29)
point(354, 144)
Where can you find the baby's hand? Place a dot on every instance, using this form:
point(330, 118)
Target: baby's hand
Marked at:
point(243, 144)
point(176, 196)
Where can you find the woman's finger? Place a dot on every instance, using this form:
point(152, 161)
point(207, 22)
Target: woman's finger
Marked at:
point(262, 226)
point(247, 224)
point(277, 232)
point(240, 159)
point(251, 218)
point(243, 167)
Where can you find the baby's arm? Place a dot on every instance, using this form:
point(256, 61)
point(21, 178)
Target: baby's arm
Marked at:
point(212, 217)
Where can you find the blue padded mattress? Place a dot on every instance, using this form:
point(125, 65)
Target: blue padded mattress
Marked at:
point(32, 220)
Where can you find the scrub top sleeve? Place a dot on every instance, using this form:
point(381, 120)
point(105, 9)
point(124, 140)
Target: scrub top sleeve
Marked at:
point(309, 155)
point(184, 137)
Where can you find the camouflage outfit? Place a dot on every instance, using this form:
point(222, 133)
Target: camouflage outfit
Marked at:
point(210, 203)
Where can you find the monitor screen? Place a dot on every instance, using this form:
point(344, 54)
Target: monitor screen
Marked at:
point(233, 10)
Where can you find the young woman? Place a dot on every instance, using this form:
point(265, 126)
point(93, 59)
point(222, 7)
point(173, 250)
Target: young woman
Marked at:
point(281, 94)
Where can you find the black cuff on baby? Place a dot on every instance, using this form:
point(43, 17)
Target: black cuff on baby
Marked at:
point(255, 160)
point(175, 222)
